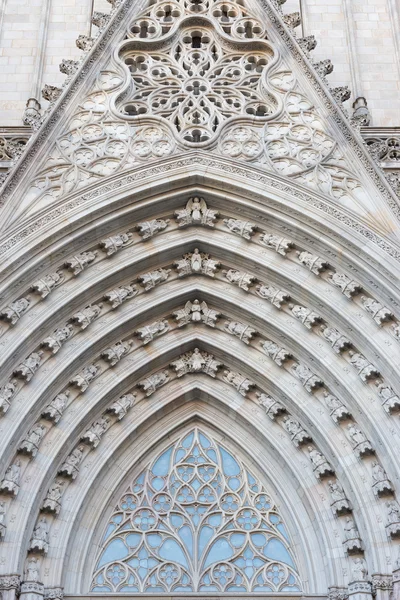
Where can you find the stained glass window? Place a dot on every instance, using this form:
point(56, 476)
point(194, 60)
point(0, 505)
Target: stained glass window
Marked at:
point(195, 520)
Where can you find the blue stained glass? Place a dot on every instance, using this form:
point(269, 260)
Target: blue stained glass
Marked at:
point(234, 483)
point(187, 538)
point(187, 442)
point(158, 483)
point(101, 589)
point(133, 540)
point(237, 539)
point(282, 529)
point(115, 550)
point(170, 550)
point(220, 550)
point(258, 539)
point(154, 540)
point(212, 454)
point(205, 536)
point(229, 464)
point(277, 551)
point(128, 588)
point(204, 441)
point(161, 466)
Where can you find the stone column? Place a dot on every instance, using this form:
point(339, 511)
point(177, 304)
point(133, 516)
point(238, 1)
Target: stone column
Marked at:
point(9, 586)
point(382, 586)
point(32, 590)
point(360, 590)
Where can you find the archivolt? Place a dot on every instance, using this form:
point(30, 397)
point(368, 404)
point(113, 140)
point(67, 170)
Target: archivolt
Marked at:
point(362, 378)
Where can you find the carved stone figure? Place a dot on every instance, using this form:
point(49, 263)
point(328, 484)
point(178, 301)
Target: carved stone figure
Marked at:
point(196, 312)
point(347, 286)
point(14, 311)
point(6, 394)
point(86, 316)
point(196, 362)
point(121, 406)
point(154, 382)
point(94, 434)
point(321, 467)
point(298, 435)
point(55, 341)
point(308, 317)
point(70, 468)
point(393, 519)
point(361, 446)
point(366, 370)
point(51, 93)
point(338, 341)
point(238, 381)
point(48, 283)
point(40, 537)
point(390, 401)
point(84, 42)
point(323, 67)
point(112, 244)
point(337, 409)
point(114, 354)
point(341, 93)
point(314, 263)
point(352, 541)
point(196, 263)
point(84, 378)
point(147, 229)
point(68, 66)
point(281, 245)
point(100, 19)
point(53, 411)
point(10, 483)
point(3, 526)
point(32, 570)
point(153, 278)
point(31, 443)
point(308, 379)
point(272, 408)
point(29, 366)
point(359, 569)
point(119, 295)
point(52, 502)
point(272, 294)
point(379, 313)
point(196, 213)
point(242, 280)
point(80, 262)
point(380, 481)
point(245, 333)
point(243, 228)
point(279, 355)
point(149, 332)
point(340, 504)
point(292, 20)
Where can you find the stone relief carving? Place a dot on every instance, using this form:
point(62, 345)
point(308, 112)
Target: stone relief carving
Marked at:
point(15, 310)
point(390, 400)
point(121, 406)
point(366, 370)
point(32, 573)
point(239, 382)
point(272, 408)
point(147, 229)
point(340, 504)
point(59, 337)
point(68, 66)
point(112, 244)
point(298, 434)
point(80, 262)
point(93, 435)
point(279, 355)
point(361, 446)
point(308, 317)
point(196, 362)
point(314, 263)
point(84, 378)
point(393, 519)
point(153, 278)
point(86, 316)
point(31, 443)
point(100, 19)
point(281, 245)
point(359, 569)
point(196, 212)
point(321, 467)
point(347, 286)
point(244, 332)
point(154, 382)
point(29, 366)
point(116, 352)
point(6, 394)
point(56, 593)
point(54, 411)
point(272, 294)
point(3, 526)
point(352, 541)
point(48, 283)
point(338, 410)
point(339, 342)
point(196, 263)
point(51, 93)
point(52, 502)
point(380, 481)
point(40, 537)
point(149, 332)
point(379, 313)
point(119, 295)
point(242, 280)
point(242, 228)
point(308, 379)
point(196, 312)
point(70, 468)
point(11, 481)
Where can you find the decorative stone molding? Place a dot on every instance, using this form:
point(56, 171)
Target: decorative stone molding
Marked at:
point(381, 582)
point(51, 93)
point(32, 590)
point(100, 19)
point(68, 66)
point(32, 116)
point(84, 42)
point(10, 582)
point(54, 593)
point(337, 593)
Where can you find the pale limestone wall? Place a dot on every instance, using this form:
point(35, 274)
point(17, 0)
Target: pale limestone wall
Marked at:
point(361, 37)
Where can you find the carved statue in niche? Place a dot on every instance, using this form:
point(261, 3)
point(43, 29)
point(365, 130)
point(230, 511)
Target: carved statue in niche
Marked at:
point(238, 381)
point(48, 283)
point(147, 229)
point(393, 519)
point(3, 526)
point(314, 263)
point(94, 434)
point(359, 569)
point(379, 313)
point(242, 280)
point(153, 382)
point(86, 316)
point(40, 537)
point(6, 394)
point(340, 504)
point(347, 286)
point(15, 310)
point(10, 483)
point(121, 406)
point(361, 446)
point(279, 355)
point(196, 312)
point(29, 366)
point(308, 379)
point(321, 467)
point(32, 570)
point(390, 400)
point(31, 443)
point(116, 352)
point(112, 244)
point(275, 296)
point(281, 245)
point(196, 362)
point(118, 295)
point(55, 341)
point(297, 433)
point(53, 411)
point(242, 228)
point(245, 333)
point(308, 317)
point(80, 262)
point(149, 332)
point(84, 378)
point(366, 370)
point(196, 262)
point(352, 541)
point(338, 341)
point(380, 481)
point(52, 502)
point(337, 409)
point(196, 213)
point(70, 467)
point(152, 278)
point(272, 408)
